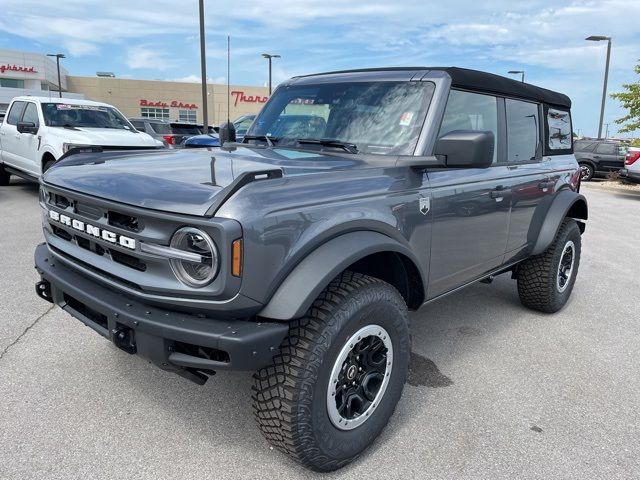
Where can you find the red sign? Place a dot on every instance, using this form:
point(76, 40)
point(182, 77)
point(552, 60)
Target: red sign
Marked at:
point(172, 104)
point(241, 97)
point(17, 68)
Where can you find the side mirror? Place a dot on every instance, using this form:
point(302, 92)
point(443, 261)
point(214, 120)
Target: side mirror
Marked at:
point(227, 133)
point(27, 127)
point(466, 148)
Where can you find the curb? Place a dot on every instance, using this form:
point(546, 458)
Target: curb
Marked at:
point(611, 188)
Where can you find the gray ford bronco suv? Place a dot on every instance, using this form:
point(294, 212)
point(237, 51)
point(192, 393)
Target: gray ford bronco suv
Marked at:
point(355, 197)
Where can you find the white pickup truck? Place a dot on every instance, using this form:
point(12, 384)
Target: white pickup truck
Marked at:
point(37, 131)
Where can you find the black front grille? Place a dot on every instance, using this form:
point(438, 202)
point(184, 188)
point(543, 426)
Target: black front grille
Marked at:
point(126, 222)
point(127, 260)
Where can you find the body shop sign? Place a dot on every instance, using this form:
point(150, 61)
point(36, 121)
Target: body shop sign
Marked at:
point(172, 104)
point(240, 97)
point(17, 68)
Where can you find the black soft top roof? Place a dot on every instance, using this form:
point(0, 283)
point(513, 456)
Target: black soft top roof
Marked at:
point(489, 82)
point(481, 81)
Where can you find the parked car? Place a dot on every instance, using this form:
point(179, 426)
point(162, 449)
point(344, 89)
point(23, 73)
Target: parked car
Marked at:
point(241, 124)
point(631, 170)
point(298, 257)
point(37, 131)
point(599, 156)
point(172, 133)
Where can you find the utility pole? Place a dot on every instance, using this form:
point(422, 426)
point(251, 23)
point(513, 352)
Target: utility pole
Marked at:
point(600, 38)
point(268, 56)
point(203, 68)
point(58, 57)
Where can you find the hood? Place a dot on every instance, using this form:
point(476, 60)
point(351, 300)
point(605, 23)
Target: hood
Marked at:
point(180, 181)
point(104, 136)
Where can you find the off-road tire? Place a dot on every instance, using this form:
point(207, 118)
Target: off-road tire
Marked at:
point(537, 276)
point(591, 169)
point(5, 177)
point(290, 396)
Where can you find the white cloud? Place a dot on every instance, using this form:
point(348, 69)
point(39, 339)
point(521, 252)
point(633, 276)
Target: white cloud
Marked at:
point(146, 58)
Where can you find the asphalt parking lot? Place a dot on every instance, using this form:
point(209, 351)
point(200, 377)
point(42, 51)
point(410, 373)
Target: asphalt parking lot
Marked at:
point(496, 391)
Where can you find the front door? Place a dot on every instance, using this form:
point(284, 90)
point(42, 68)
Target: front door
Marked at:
point(471, 205)
point(10, 137)
point(28, 144)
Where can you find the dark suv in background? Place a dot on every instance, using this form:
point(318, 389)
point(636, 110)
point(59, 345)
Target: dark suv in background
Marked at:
point(173, 134)
point(599, 156)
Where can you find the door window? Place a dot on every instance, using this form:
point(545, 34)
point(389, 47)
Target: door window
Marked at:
point(471, 111)
point(607, 149)
point(15, 112)
point(138, 125)
point(523, 131)
point(31, 114)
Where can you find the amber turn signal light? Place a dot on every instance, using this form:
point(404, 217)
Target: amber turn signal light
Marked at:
point(236, 258)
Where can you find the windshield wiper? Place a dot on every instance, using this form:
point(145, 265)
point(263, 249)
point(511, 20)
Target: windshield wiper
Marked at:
point(270, 140)
point(328, 142)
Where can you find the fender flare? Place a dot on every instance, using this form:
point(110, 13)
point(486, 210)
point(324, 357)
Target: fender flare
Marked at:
point(566, 203)
point(302, 286)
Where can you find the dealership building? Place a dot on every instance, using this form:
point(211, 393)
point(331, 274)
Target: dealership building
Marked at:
point(24, 73)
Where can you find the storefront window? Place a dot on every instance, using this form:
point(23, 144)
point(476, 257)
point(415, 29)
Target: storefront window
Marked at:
point(187, 116)
point(157, 113)
point(11, 83)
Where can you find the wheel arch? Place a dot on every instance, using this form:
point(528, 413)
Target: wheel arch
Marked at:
point(367, 252)
point(46, 157)
point(566, 203)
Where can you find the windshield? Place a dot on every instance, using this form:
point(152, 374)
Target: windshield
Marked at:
point(88, 116)
point(376, 117)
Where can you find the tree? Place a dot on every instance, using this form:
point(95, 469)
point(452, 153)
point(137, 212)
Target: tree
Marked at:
point(630, 99)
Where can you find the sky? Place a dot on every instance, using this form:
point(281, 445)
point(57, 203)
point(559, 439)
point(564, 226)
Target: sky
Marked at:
point(159, 40)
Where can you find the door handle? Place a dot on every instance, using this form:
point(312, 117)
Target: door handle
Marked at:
point(498, 193)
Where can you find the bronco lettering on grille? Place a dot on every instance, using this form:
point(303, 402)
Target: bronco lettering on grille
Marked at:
point(92, 230)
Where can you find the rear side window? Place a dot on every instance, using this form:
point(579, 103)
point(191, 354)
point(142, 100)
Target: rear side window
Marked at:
point(31, 114)
point(582, 146)
point(559, 128)
point(523, 131)
point(161, 128)
point(471, 111)
point(14, 114)
point(607, 149)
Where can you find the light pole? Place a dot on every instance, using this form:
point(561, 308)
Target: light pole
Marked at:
point(203, 68)
point(58, 57)
point(269, 57)
point(599, 38)
point(521, 72)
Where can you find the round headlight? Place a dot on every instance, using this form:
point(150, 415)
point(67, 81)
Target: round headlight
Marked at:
point(199, 265)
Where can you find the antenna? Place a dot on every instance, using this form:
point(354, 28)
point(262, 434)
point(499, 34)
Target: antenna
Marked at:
point(228, 78)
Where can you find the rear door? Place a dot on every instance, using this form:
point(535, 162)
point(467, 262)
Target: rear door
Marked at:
point(470, 205)
point(529, 171)
point(609, 156)
point(10, 135)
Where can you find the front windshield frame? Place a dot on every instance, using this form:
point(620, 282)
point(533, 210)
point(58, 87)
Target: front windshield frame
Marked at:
point(81, 113)
point(349, 121)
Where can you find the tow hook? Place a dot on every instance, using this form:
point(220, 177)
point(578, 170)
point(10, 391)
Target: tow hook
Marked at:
point(123, 338)
point(43, 289)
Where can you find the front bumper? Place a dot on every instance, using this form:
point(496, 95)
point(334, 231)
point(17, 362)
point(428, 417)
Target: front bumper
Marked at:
point(183, 343)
